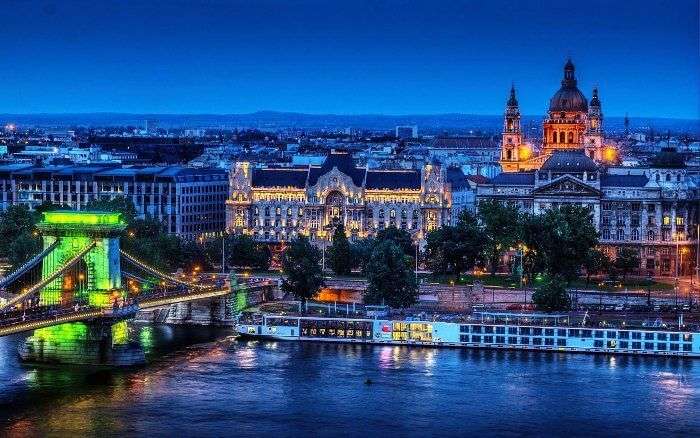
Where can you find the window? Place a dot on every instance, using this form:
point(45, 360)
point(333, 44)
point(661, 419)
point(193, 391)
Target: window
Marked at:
point(476, 339)
point(674, 347)
point(524, 330)
point(687, 347)
point(624, 335)
point(675, 337)
point(636, 345)
point(488, 339)
point(661, 336)
point(649, 336)
point(536, 341)
point(574, 333)
point(549, 332)
point(500, 330)
point(500, 339)
point(598, 344)
point(679, 220)
point(586, 333)
point(598, 333)
point(525, 340)
point(612, 335)
point(512, 340)
point(561, 332)
point(648, 345)
point(512, 330)
point(561, 342)
point(488, 329)
point(548, 341)
point(476, 329)
point(661, 346)
point(624, 344)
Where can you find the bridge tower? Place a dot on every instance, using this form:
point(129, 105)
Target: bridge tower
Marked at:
point(100, 282)
point(93, 238)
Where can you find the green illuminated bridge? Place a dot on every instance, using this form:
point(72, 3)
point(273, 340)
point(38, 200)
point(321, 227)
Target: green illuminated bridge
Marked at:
point(78, 307)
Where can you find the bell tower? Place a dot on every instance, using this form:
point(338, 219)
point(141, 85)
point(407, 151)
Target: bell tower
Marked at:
point(593, 143)
point(512, 138)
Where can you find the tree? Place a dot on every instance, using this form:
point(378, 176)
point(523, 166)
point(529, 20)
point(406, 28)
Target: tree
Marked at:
point(552, 296)
point(390, 278)
point(118, 204)
point(340, 254)
point(302, 270)
point(568, 234)
point(362, 253)
point(241, 251)
point(501, 228)
point(16, 221)
point(400, 237)
point(22, 248)
point(626, 261)
point(596, 261)
point(455, 249)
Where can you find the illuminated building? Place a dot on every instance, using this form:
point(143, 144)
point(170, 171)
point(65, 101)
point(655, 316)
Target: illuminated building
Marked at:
point(572, 123)
point(188, 202)
point(277, 204)
point(649, 209)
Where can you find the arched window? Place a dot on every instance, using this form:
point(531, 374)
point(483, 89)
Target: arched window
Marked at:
point(554, 137)
point(651, 235)
point(571, 137)
point(562, 137)
point(509, 154)
point(381, 213)
point(668, 177)
point(635, 234)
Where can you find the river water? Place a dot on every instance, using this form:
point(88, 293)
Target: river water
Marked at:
point(201, 382)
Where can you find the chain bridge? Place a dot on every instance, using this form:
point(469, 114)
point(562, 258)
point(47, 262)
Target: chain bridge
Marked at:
point(73, 297)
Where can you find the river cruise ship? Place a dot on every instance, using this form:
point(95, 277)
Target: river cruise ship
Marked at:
point(543, 332)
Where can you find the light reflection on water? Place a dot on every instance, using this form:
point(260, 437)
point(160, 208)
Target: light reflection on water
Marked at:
point(204, 383)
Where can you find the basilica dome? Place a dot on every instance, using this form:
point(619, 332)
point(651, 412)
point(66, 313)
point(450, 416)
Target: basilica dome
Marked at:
point(569, 98)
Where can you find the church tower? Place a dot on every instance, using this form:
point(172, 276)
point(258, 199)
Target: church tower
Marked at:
point(512, 136)
point(593, 143)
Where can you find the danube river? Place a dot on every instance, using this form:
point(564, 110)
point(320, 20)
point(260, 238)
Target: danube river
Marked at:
point(203, 383)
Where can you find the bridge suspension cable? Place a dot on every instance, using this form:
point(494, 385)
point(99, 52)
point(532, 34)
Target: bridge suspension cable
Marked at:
point(158, 273)
point(51, 277)
point(27, 265)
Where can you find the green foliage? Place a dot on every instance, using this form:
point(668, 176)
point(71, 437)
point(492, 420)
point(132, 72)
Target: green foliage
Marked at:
point(241, 251)
point(119, 204)
point(400, 237)
point(390, 278)
point(362, 252)
point(455, 249)
point(552, 296)
point(22, 248)
point(558, 242)
point(626, 261)
point(340, 254)
point(596, 261)
point(16, 233)
point(302, 270)
point(500, 224)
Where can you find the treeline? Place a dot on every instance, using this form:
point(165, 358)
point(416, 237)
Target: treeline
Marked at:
point(146, 239)
point(561, 242)
point(386, 261)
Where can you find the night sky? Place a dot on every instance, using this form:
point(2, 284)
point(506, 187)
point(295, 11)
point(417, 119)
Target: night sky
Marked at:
point(350, 57)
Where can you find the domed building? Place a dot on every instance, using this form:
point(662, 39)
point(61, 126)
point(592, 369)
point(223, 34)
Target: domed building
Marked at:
point(571, 124)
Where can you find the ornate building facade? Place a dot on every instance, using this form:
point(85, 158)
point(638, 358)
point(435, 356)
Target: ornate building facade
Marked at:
point(278, 204)
point(654, 210)
point(571, 124)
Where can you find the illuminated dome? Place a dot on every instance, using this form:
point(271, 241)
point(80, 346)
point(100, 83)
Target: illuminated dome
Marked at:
point(569, 98)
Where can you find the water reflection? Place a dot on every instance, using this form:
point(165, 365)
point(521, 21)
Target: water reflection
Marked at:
point(203, 382)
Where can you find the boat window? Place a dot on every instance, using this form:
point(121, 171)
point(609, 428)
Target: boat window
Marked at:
point(649, 336)
point(537, 331)
point(687, 347)
point(476, 339)
point(574, 333)
point(675, 336)
point(512, 330)
point(674, 347)
point(500, 330)
point(488, 329)
point(648, 345)
point(598, 333)
point(636, 345)
point(512, 340)
point(636, 335)
point(586, 333)
point(525, 340)
point(661, 336)
point(612, 335)
point(661, 346)
point(561, 332)
point(548, 341)
point(476, 329)
point(549, 332)
point(624, 335)
point(536, 341)
point(524, 330)
point(488, 339)
point(598, 344)
point(561, 342)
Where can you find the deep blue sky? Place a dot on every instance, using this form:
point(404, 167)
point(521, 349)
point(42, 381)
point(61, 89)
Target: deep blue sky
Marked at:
point(356, 56)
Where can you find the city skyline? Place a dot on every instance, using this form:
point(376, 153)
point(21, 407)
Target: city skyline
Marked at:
point(233, 58)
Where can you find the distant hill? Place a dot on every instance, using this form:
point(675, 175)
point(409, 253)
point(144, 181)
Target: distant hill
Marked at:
point(427, 123)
